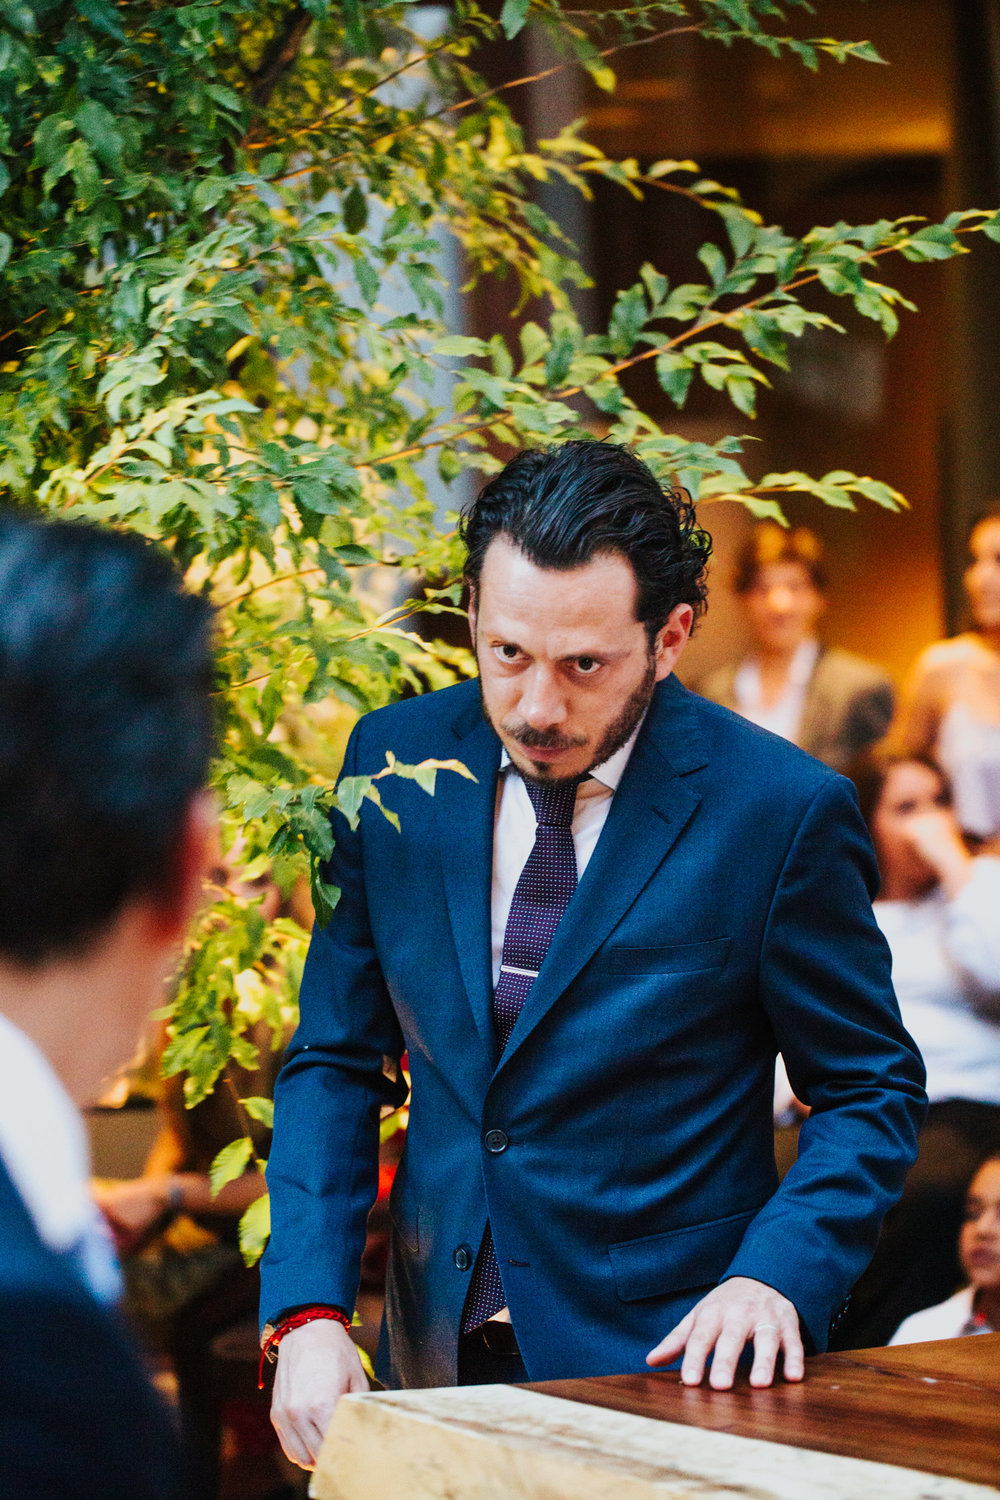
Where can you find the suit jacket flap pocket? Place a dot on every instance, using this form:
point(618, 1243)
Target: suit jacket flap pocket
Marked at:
point(675, 958)
point(660, 1265)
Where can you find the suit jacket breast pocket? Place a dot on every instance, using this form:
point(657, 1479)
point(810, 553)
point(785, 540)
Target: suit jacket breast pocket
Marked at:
point(674, 958)
point(660, 1265)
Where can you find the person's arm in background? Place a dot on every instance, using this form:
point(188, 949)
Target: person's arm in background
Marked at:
point(919, 712)
point(971, 886)
point(323, 1168)
point(134, 1205)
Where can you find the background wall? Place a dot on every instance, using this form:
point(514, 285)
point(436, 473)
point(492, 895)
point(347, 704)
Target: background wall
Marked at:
point(858, 142)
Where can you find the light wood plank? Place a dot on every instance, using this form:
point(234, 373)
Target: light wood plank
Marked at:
point(509, 1443)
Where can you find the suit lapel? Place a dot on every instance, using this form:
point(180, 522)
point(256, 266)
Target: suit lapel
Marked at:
point(465, 816)
point(648, 811)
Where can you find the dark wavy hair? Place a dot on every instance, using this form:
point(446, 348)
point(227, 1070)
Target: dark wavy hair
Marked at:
point(564, 506)
point(106, 728)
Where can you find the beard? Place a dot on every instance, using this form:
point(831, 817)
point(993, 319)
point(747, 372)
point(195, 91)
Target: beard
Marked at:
point(614, 737)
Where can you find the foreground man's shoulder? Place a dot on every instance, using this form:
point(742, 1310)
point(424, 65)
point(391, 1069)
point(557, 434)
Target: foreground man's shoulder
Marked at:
point(444, 707)
point(732, 740)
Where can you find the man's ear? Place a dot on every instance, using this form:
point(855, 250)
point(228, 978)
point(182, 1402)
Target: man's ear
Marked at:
point(472, 610)
point(671, 639)
point(196, 846)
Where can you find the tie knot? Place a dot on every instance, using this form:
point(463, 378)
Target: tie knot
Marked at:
point(553, 801)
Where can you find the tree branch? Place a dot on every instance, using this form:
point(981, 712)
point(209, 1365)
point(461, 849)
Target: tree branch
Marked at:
point(279, 56)
point(460, 104)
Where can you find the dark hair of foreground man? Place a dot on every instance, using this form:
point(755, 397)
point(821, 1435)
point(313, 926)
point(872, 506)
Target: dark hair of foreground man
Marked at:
point(105, 737)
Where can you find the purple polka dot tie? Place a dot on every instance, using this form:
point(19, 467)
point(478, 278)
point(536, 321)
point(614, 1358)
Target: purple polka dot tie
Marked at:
point(541, 896)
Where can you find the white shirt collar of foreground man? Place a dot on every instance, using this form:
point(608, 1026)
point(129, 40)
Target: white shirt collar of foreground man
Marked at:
point(44, 1147)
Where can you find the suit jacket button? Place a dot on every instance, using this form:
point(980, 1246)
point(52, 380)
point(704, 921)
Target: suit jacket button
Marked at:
point(495, 1141)
point(463, 1257)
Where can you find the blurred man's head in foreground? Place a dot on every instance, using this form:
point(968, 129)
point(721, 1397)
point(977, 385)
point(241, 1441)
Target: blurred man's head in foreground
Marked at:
point(105, 738)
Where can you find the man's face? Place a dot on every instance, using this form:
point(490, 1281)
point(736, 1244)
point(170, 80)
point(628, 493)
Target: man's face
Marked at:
point(566, 669)
point(783, 606)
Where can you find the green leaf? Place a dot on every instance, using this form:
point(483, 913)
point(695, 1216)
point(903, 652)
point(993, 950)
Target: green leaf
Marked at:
point(261, 1110)
point(674, 372)
point(513, 16)
point(368, 280)
point(714, 262)
point(460, 345)
point(208, 193)
point(628, 318)
point(97, 124)
point(355, 210)
point(231, 1162)
point(350, 794)
point(255, 1229)
point(6, 246)
point(742, 391)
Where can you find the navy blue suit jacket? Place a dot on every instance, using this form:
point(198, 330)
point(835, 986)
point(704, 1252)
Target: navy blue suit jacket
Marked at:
point(78, 1417)
point(724, 914)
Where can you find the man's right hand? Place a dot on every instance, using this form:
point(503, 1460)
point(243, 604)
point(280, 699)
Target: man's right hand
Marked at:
point(317, 1364)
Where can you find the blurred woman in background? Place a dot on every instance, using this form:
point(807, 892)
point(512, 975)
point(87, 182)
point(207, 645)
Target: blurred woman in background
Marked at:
point(952, 704)
point(830, 702)
point(976, 1307)
point(939, 909)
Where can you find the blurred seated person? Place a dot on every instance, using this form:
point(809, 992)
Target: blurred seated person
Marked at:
point(951, 707)
point(831, 703)
point(185, 1279)
point(976, 1308)
point(939, 908)
point(105, 737)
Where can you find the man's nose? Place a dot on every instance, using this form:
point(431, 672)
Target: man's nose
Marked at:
point(780, 599)
point(542, 701)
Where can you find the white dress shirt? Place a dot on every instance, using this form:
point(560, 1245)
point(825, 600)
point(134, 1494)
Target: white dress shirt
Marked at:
point(946, 974)
point(515, 825)
point(954, 1319)
point(784, 716)
point(44, 1147)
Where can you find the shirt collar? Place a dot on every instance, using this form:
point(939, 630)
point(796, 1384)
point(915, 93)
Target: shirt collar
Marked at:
point(801, 667)
point(610, 772)
point(42, 1140)
point(803, 663)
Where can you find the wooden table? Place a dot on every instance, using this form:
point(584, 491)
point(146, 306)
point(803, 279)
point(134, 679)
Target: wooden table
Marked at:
point(921, 1422)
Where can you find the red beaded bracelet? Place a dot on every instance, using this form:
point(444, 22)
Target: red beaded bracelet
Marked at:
point(274, 1333)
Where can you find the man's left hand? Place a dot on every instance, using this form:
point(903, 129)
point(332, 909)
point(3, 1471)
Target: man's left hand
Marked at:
point(734, 1313)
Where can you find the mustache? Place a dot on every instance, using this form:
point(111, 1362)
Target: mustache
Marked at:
point(542, 739)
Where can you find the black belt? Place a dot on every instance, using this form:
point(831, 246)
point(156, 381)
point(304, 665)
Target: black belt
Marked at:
point(497, 1337)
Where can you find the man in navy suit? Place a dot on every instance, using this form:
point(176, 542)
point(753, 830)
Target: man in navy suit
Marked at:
point(105, 733)
point(597, 1179)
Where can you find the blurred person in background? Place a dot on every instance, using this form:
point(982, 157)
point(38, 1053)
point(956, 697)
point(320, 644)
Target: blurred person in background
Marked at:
point(829, 702)
point(939, 908)
point(185, 1279)
point(951, 708)
point(105, 736)
point(976, 1307)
